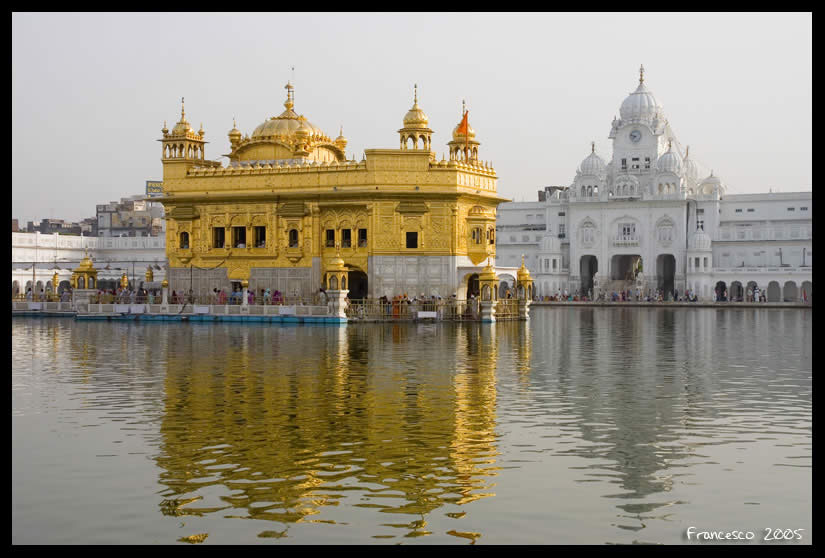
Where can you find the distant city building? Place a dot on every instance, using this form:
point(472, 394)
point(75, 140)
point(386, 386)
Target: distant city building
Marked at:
point(14, 226)
point(132, 216)
point(649, 210)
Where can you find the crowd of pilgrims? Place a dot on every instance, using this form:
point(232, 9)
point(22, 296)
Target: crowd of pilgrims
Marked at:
point(267, 296)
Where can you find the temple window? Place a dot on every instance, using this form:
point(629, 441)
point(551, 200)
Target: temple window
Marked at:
point(260, 237)
point(346, 238)
point(330, 238)
point(624, 164)
point(239, 237)
point(218, 237)
point(362, 238)
point(184, 240)
point(412, 239)
point(293, 238)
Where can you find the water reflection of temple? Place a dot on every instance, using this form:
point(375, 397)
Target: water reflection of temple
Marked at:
point(294, 421)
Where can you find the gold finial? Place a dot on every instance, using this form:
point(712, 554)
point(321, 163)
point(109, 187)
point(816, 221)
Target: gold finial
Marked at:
point(522, 260)
point(687, 152)
point(463, 108)
point(592, 146)
point(341, 130)
point(669, 144)
point(415, 94)
point(234, 123)
point(290, 95)
point(182, 114)
point(641, 74)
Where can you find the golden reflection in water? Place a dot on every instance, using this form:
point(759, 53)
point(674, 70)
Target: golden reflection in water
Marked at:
point(293, 429)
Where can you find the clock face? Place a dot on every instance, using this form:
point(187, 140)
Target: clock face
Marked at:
point(635, 136)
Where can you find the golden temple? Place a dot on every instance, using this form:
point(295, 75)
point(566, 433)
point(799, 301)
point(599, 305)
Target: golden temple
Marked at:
point(289, 201)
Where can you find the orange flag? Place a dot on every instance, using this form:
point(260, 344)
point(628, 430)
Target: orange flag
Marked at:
point(462, 128)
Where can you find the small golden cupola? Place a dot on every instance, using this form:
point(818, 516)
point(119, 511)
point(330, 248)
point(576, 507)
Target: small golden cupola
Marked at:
point(183, 143)
point(524, 281)
point(84, 276)
point(234, 135)
point(341, 141)
point(488, 282)
point(416, 128)
point(464, 146)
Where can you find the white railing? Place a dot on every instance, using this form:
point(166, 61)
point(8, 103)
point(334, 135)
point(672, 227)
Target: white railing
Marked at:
point(775, 269)
point(623, 241)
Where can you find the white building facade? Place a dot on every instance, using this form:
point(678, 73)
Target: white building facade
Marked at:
point(36, 257)
point(653, 218)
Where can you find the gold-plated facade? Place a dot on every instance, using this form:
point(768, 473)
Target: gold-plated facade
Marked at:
point(290, 198)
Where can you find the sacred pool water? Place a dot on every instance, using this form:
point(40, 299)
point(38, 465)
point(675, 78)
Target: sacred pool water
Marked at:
point(585, 425)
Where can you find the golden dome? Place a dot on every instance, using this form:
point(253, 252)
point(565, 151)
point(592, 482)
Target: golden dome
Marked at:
point(287, 123)
point(488, 273)
point(415, 117)
point(460, 135)
point(336, 263)
point(182, 127)
point(86, 265)
point(234, 132)
point(523, 273)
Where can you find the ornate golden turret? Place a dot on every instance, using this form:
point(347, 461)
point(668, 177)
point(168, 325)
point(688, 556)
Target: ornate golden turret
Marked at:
point(182, 148)
point(341, 141)
point(124, 281)
point(464, 146)
point(150, 275)
point(335, 277)
point(488, 283)
point(84, 276)
point(524, 281)
point(416, 127)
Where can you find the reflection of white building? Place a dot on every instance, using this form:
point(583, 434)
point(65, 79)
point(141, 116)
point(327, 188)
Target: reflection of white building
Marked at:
point(649, 208)
point(55, 253)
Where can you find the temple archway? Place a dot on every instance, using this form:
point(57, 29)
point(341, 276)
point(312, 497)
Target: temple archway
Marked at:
point(472, 285)
point(665, 273)
point(807, 291)
point(623, 267)
point(588, 266)
point(358, 284)
point(737, 293)
point(774, 292)
point(790, 293)
point(721, 291)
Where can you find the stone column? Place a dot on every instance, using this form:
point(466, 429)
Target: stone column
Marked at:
point(164, 303)
point(245, 297)
point(80, 299)
point(337, 301)
point(524, 309)
point(488, 311)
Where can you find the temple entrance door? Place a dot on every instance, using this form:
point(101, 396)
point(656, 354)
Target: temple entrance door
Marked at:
point(588, 266)
point(472, 285)
point(624, 267)
point(720, 289)
point(665, 272)
point(357, 281)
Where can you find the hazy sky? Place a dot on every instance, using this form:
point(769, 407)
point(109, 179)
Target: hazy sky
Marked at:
point(90, 92)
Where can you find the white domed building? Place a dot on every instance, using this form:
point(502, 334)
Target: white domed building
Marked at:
point(654, 218)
